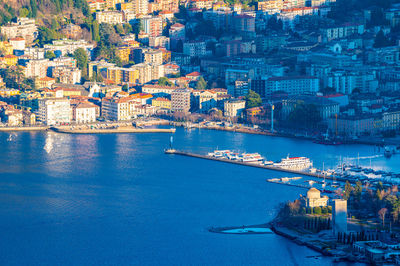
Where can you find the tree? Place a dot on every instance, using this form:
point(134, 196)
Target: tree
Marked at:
point(347, 190)
point(382, 212)
point(96, 31)
point(163, 81)
point(253, 99)
point(49, 55)
point(33, 6)
point(81, 58)
point(317, 210)
point(381, 40)
point(358, 190)
point(23, 12)
point(201, 84)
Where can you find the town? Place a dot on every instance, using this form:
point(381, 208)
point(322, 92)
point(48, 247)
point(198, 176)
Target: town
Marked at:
point(303, 67)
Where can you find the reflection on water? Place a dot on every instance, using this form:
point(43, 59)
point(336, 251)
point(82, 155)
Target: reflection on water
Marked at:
point(91, 199)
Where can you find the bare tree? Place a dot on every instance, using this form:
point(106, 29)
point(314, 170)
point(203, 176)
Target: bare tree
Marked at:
point(382, 212)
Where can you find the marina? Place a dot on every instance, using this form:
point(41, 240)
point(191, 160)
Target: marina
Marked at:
point(301, 166)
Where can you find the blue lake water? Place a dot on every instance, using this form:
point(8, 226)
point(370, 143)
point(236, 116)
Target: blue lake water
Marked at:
point(117, 199)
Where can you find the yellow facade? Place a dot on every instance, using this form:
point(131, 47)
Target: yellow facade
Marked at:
point(45, 82)
point(131, 76)
point(123, 53)
point(162, 103)
point(9, 92)
point(10, 60)
point(115, 75)
point(126, 6)
point(6, 47)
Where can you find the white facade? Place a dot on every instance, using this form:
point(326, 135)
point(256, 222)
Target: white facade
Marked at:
point(54, 111)
point(194, 48)
point(84, 113)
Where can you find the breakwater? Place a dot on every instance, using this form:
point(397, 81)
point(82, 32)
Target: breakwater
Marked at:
point(269, 167)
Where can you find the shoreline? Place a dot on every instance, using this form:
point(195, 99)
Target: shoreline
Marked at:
point(113, 130)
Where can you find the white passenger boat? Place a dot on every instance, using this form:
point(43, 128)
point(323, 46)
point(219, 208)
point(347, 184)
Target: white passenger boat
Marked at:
point(294, 163)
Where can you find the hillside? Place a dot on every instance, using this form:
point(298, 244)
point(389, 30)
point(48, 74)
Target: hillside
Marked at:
point(44, 11)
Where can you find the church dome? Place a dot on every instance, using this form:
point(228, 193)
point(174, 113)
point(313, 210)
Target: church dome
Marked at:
point(313, 193)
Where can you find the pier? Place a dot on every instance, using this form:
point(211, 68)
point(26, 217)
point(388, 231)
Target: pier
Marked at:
point(268, 167)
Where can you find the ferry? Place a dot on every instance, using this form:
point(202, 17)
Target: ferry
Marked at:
point(218, 153)
point(294, 163)
point(251, 158)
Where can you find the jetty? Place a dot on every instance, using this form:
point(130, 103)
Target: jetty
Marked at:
point(68, 130)
point(268, 167)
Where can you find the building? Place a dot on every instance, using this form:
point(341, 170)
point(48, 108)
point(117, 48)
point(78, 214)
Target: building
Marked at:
point(45, 82)
point(194, 48)
point(339, 216)
point(117, 109)
point(356, 125)
point(54, 111)
point(324, 106)
point(162, 103)
point(180, 100)
point(24, 27)
point(314, 199)
point(159, 41)
point(293, 85)
point(18, 43)
point(84, 112)
point(68, 75)
point(153, 26)
point(110, 17)
point(234, 108)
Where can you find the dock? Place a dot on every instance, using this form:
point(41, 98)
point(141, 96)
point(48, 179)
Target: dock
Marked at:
point(268, 167)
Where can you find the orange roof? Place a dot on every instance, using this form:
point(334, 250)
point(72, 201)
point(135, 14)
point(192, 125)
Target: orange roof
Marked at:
point(17, 39)
point(46, 79)
point(194, 74)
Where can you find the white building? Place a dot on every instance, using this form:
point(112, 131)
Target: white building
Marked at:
point(54, 111)
point(84, 112)
point(234, 108)
point(110, 17)
point(194, 48)
point(293, 85)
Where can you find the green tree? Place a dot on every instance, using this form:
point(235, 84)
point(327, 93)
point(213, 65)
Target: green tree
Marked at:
point(95, 31)
point(358, 190)
point(201, 84)
point(33, 6)
point(253, 99)
point(49, 55)
point(81, 58)
point(23, 12)
point(347, 190)
point(163, 81)
point(317, 210)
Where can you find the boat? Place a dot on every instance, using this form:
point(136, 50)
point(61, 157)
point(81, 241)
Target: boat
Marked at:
point(294, 163)
point(218, 153)
point(251, 158)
